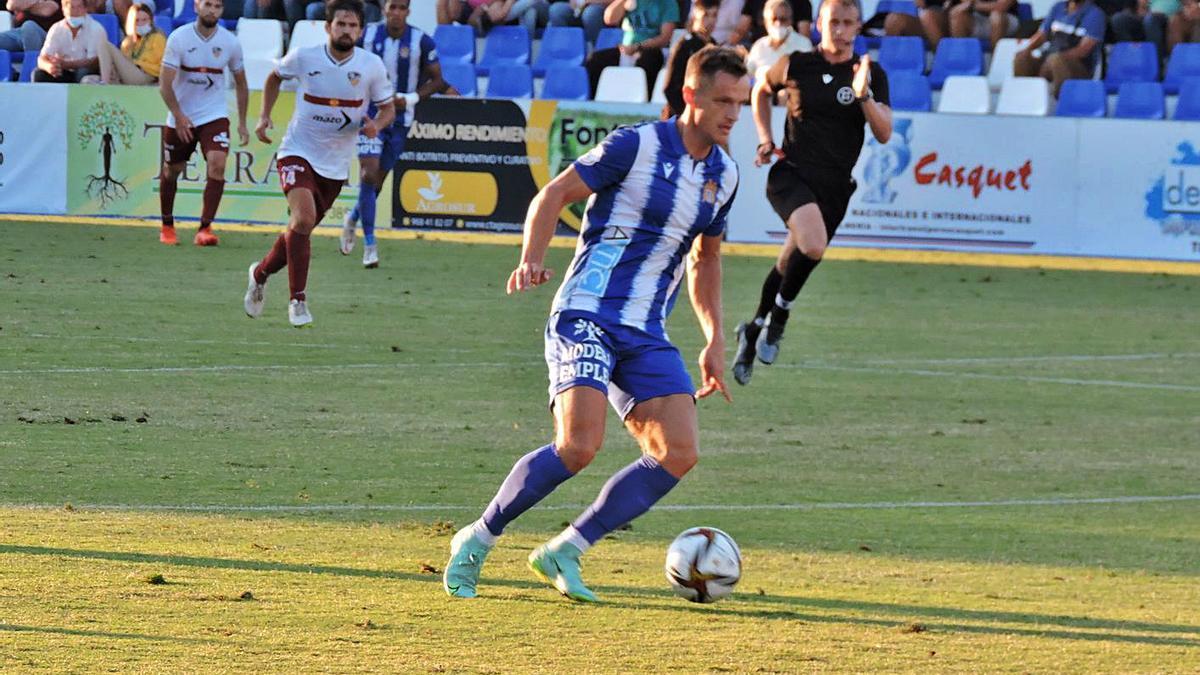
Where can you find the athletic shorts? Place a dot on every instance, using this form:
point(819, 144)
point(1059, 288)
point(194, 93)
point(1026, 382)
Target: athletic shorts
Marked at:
point(387, 146)
point(626, 364)
point(211, 136)
point(789, 187)
point(296, 172)
point(983, 26)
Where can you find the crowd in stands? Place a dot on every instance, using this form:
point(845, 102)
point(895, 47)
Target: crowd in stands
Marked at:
point(923, 43)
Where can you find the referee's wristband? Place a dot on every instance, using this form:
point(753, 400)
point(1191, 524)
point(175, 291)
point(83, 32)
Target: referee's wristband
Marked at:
point(769, 148)
point(869, 97)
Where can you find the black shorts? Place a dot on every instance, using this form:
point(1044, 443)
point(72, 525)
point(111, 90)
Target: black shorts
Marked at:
point(789, 187)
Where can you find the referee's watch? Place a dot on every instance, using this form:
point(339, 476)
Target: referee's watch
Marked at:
point(870, 96)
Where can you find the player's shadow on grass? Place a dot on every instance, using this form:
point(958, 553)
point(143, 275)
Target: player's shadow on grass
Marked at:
point(54, 630)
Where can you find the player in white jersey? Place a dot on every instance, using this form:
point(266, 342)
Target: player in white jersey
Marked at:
point(338, 82)
point(660, 193)
point(192, 85)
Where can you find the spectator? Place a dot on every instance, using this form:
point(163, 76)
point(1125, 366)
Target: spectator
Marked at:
point(647, 26)
point(1072, 33)
point(118, 7)
point(751, 26)
point(987, 20)
point(528, 13)
point(1185, 25)
point(781, 39)
point(290, 11)
point(139, 60)
point(1149, 21)
point(586, 13)
point(930, 23)
point(702, 19)
point(315, 11)
point(71, 48)
point(31, 20)
point(728, 19)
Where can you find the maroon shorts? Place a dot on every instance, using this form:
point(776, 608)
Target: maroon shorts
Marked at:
point(296, 172)
point(212, 136)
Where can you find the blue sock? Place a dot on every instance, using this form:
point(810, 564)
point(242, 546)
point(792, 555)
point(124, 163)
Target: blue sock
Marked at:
point(354, 213)
point(627, 495)
point(532, 478)
point(366, 212)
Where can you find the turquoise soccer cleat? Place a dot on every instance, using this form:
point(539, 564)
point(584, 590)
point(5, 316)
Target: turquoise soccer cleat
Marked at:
point(467, 554)
point(560, 568)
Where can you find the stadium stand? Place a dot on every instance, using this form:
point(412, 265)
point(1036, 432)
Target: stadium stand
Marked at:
point(307, 34)
point(657, 94)
point(505, 45)
point(510, 80)
point(608, 38)
point(461, 76)
point(1001, 67)
point(262, 44)
point(28, 66)
point(1024, 96)
point(1131, 62)
point(568, 83)
point(561, 46)
point(1140, 100)
point(456, 44)
point(622, 85)
point(1188, 106)
point(1082, 98)
point(965, 94)
point(164, 23)
point(902, 54)
point(1184, 63)
point(6, 69)
point(6, 22)
point(910, 92)
point(956, 56)
point(112, 26)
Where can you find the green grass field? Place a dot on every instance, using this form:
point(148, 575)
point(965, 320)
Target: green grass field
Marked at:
point(296, 490)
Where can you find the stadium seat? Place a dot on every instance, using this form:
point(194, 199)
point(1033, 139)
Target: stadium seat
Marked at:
point(562, 46)
point(164, 23)
point(461, 76)
point(657, 94)
point(608, 38)
point(1131, 62)
point(910, 92)
point(1188, 105)
point(566, 84)
point(422, 15)
point(112, 26)
point(966, 94)
point(1140, 101)
point(896, 7)
point(455, 44)
point(956, 56)
point(307, 34)
point(1024, 96)
point(260, 38)
point(902, 54)
point(1002, 62)
point(861, 45)
point(1184, 63)
point(256, 69)
point(1024, 11)
point(1082, 98)
point(505, 45)
point(5, 20)
point(6, 71)
point(28, 66)
point(510, 80)
point(622, 84)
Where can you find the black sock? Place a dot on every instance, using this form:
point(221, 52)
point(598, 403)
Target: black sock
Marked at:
point(770, 289)
point(799, 268)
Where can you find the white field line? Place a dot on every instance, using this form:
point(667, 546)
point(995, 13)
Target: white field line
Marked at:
point(252, 368)
point(231, 343)
point(988, 376)
point(1085, 358)
point(815, 506)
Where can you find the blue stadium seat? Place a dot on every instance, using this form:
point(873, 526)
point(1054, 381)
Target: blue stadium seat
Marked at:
point(455, 44)
point(1140, 101)
point(461, 76)
point(510, 80)
point(893, 7)
point(164, 23)
point(112, 26)
point(1188, 105)
point(956, 56)
point(1184, 63)
point(1082, 98)
point(505, 45)
point(608, 38)
point(6, 72)
point(861, 44)
point(1131, 62)
point(28, 66)
point(566, 84)
point(1024, 11)
point(910, 91)
point(902, 54)
point(562, 46)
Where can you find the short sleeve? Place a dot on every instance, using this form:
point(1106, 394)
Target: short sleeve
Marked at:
point(171, 56)
point(717, 228)
point(879, 84)
point(52, 43)
point(1095, 23)
point(381, 90)
point(777, 75)
point(609, 163)
point(289, 66)
point(671, 13)
point(236, 63)
point(428, 50)
point(1048, 22)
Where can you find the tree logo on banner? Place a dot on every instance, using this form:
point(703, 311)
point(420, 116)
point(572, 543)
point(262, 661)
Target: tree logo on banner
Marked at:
point(107, 124)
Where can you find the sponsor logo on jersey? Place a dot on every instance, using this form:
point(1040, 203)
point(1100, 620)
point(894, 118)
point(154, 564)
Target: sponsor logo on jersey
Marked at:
point(710, 192)
point(216, 52)
point(404, 52)
point(449, 192)
point(314, 73)
point(355, 77)
point(827, 78)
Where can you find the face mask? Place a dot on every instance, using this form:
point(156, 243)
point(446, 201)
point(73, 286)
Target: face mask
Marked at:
point(779, 33)
point(144, 30)
point(75, 21)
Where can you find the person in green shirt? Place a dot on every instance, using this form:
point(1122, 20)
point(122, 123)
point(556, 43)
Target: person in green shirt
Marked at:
point(647, 27)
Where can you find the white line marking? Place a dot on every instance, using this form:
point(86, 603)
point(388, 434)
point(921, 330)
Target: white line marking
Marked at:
point(235, 368)
point(989, 376)
point(162, 340)
point(816, 506)
point(1025, 359)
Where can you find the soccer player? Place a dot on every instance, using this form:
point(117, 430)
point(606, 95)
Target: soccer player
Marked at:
point(337, 82)
point(831, 96)
point(192, 84)
point(410, 57)
point(658, 194)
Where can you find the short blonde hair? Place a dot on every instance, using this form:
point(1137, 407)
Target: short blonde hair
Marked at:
point(773, 5)
point(848, 4)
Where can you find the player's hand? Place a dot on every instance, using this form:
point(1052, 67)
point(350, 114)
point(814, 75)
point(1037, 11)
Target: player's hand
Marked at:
point(183, 128)
point(243, 135)
point(260, 129)
point(369, 129)
point(766, 153)
point(712, 371)
point(526, 276)
point(862, 77)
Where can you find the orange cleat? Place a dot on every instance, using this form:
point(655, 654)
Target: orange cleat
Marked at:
point(205, 237)
point(167, 236)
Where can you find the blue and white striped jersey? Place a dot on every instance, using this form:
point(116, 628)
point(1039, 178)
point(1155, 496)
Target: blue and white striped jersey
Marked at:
point(651, 200)
point(405, 58)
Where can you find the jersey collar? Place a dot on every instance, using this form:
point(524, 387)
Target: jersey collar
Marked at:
point(676, 143)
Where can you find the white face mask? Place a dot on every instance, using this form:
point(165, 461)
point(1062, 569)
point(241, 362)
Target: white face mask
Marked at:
point(144, 30)
point(779, 33)
point(76, 21)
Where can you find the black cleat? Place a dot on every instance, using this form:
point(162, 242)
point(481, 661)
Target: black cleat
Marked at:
point(743, 360)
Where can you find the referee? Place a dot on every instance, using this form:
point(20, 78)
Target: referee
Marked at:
point(831, 94)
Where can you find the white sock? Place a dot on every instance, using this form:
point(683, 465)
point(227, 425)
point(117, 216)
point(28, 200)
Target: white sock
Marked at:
point(483, 534)
point(759, 321)
point(570, 536)
point(781, 303)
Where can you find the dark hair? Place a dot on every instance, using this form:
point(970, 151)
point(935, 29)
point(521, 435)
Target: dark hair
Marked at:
point(334, 6)
point(707, 4)
point(711, 60)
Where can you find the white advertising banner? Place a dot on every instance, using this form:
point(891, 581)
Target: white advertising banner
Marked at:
point(33, 148)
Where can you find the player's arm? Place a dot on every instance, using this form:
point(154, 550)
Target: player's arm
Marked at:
point(879, 115)
point(760, 104)
point(166, 89)
point(434, 82)
point(242, 91)
point(269, 96)
point(540, 223)
point(385, 114)
point(704, 288)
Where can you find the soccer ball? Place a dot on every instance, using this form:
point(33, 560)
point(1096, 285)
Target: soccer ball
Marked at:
point(703, 564)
